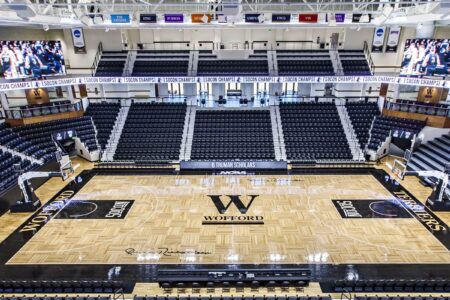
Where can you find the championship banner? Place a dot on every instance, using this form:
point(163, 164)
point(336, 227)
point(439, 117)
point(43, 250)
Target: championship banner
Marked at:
point(147, 18)
point(360, 18)
point(173, 18)
point(201, 18)
point(378, 39)
point(79, 45)
point(281, 18)
point(224, 79)
point(393, 38)
point(308, 18)
point(254, 18)
point(339, 18)
point(120, 18)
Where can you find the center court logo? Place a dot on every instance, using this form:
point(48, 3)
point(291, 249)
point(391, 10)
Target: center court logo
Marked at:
point(223, 204)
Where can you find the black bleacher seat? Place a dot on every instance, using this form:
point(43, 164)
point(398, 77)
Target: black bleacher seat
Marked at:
point(160, 67)
point(313, 131)
point(354, 63)
point(111, 68)
point(362, 115)
point(249, 67)
point(104, 116)
point(305, 67)
point(152, 132)
point(111, 63)
point(40, 134)
point(60, 287)
point(232, 134)
point(8, 176)
point(383, 125)
point(391, 285)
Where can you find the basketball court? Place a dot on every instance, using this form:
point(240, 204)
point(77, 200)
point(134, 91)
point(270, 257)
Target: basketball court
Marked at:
point(332, 217)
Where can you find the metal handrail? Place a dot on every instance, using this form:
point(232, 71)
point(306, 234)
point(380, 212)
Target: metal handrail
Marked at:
point(432, 110)
point(368, 55)
point(21, 113)
point(97, 58)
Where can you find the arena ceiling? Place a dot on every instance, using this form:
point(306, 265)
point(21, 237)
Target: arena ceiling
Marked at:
point(66, 13)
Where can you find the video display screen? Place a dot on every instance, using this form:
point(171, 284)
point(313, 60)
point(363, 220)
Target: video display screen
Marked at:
point(31, 59)
point(425, 57)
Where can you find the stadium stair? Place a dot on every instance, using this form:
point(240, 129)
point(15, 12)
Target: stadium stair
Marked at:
point(193, 63)
point(272, 62)
point(433, 155)
point(337, 64)
point(277, 132)
point(350, 134)
point(129, 64)
point(188, 132)
point(116, 132)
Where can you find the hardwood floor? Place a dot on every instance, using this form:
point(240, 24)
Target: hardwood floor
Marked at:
point(165, 224)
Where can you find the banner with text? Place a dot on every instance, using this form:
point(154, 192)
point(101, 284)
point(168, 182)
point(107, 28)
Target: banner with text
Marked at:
point(393, 38)
point(223, 79)
point(378, 39)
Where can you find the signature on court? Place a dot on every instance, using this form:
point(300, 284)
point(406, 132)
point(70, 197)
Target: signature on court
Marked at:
point(165, 252)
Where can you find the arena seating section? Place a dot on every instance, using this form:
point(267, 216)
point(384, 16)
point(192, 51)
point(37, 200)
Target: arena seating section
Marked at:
point(247, 67)
point(433, 155)
point(63, 287)
point(234, 297)
point(10, 139)
point(152, 131)
point(313, 131)
point(40, 134)
point(111, 63)
point(383, 125)
point(354, 63)
point(232, 134)
point(104, 116)
point(8, 177)
point(362, 116)
point(304, 63)
point(161, 63)
point(392, 285)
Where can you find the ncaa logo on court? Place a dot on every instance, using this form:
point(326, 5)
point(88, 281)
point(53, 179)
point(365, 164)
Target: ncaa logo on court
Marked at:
point(233, 203)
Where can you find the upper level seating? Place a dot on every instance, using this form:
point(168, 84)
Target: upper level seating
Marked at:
point(40, 134)
point(247, 67)
point(161, 63)
point(152, 131)
point(354, 63)
point(160, 68)
point(111, 63)
point(104, 116)
point(313, 131)
point(383, 125)
point(361, 116)
point(232, 134)
point(8, 177)
point(305, 67)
